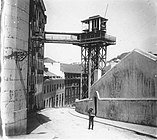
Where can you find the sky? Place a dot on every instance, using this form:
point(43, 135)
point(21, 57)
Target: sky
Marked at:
point(132, 22)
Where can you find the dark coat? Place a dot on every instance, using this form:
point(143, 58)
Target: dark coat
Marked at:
point(90, 113)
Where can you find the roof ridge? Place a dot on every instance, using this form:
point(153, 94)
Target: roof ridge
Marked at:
point(149, 55)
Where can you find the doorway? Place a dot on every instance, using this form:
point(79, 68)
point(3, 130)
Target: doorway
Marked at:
point(95, 105)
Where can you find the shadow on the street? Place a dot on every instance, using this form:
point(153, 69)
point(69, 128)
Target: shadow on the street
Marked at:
point(34, 120)
point(42, 118)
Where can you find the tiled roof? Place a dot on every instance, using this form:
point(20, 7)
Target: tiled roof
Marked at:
point(49, 74)
point(49, 60)
point(71, 68)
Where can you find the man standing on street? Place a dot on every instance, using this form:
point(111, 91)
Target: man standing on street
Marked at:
point(91, 118)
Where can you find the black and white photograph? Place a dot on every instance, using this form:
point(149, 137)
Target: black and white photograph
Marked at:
point(78, 69)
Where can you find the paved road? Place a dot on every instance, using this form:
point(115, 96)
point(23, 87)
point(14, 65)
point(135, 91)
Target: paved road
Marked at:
point(64, 125)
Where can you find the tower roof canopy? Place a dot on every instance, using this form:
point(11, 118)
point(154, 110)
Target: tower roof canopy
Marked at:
point(93, 18)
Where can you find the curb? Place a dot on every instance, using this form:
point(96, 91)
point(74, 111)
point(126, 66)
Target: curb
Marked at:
point(77, 114)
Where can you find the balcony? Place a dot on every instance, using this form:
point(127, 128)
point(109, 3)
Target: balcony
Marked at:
point(97, 37)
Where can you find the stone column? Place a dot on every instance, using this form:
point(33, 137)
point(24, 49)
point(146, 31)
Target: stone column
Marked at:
point(14, 48)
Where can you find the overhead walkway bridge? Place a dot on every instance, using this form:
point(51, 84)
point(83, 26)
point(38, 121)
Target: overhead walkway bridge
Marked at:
point(78, 38)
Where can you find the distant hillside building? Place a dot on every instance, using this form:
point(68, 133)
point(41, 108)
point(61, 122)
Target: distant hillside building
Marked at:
point(48, 74)
point(53, 66)
point(111, 63)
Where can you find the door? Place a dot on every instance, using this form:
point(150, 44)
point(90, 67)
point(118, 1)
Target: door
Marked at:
point(95, 105)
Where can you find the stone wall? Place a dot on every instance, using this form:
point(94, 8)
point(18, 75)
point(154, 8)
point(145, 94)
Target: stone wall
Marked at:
point(134, 77)
point(126, 110)
point(127, 92)
point(83, 105)
point(14, 37)
point(133, 111)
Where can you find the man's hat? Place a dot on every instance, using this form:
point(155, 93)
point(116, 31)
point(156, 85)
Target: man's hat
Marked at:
point(91, 109)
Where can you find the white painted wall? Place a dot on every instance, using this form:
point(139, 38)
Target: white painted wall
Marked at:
point(54, 68)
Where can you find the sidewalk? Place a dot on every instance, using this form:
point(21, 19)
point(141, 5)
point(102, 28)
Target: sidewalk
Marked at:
point(140, 129)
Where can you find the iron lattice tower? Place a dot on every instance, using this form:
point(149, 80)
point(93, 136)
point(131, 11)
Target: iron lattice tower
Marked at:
point(93, 42)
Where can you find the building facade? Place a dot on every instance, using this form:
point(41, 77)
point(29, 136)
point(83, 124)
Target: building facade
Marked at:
point(54, 93)
point(72, 73)
point(37, 21)
point(54, 87)
point(63, 88)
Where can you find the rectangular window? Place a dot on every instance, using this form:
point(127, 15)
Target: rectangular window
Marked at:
point(44, 89)
point(50, 88)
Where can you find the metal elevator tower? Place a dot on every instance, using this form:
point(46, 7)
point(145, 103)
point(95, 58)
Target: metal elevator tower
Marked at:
point(93, 42)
